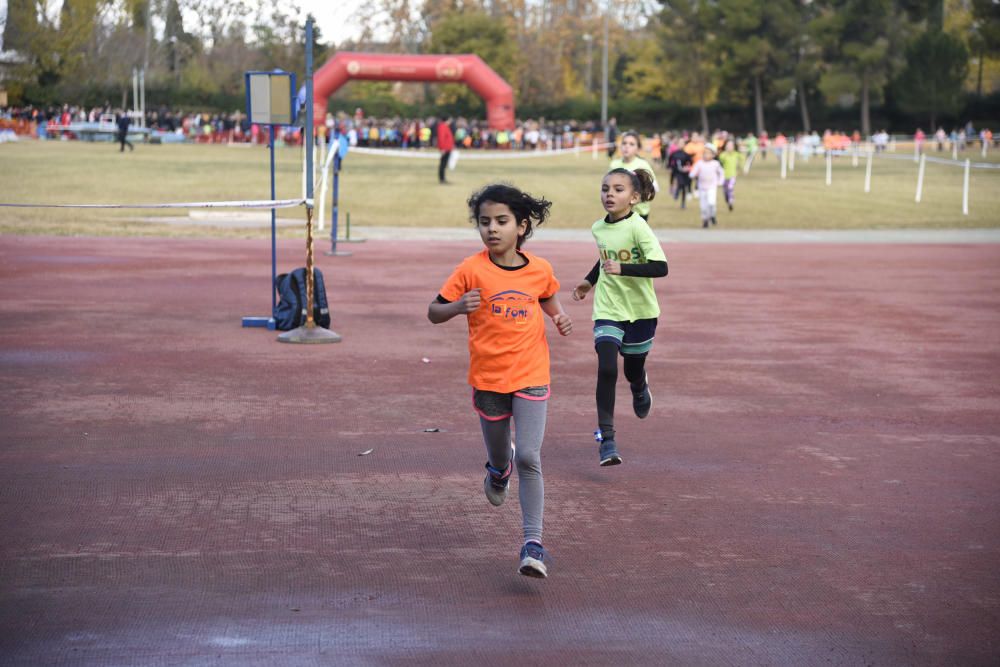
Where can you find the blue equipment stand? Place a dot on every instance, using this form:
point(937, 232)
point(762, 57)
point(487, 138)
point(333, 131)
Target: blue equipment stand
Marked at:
point(268, 322)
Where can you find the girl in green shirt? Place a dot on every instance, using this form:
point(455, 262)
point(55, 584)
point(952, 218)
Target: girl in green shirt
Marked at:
point(625, 305)
point(630, 160)
point(731, 160)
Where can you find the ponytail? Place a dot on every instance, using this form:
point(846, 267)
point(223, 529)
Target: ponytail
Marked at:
point(646, 189)
point(642, 182)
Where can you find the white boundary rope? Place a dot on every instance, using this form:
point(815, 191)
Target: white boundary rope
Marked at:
point(260, 203)
point(474, 154)
point(935, 160)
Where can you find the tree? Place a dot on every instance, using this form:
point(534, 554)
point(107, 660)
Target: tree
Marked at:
point(931, 83)
point(754, 35)
point(478, 33)
point(21, 26)
point(863, 42)
point(688, 41)
point(985, 36)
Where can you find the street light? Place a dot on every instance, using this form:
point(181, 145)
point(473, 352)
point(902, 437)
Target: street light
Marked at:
point(589, 39)
point(604, 75)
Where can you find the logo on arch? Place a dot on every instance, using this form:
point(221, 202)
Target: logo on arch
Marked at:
point(449, 69)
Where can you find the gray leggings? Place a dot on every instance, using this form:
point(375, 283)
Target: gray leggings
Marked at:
point(529, 422)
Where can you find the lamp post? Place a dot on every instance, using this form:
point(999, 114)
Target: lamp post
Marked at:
point(604, 76)
point(589, 39)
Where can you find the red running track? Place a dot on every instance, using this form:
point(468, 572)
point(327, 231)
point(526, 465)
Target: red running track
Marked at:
point(817, 482)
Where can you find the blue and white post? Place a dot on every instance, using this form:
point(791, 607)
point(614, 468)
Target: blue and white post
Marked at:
point(338, 155)
point(270, 104)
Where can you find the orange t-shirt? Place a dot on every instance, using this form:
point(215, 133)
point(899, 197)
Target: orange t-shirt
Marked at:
point(507, 346)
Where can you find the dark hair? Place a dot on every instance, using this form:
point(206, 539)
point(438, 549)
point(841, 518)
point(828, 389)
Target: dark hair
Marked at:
point(521, 204)
point(642, 181)
point(633, 133)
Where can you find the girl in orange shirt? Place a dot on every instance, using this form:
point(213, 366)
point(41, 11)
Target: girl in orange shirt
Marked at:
point(504, 291)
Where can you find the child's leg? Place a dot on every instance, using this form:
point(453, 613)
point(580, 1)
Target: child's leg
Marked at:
point(705, 206)
point(496, 436)
point(529, 422)
point(635, 370)
point(607, 378)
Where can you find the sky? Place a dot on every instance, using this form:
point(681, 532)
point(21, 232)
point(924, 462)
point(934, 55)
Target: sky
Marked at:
point(333, 18)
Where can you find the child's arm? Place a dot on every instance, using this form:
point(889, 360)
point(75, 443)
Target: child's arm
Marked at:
point(581, 290)
point(439, 312)
point(554, 309)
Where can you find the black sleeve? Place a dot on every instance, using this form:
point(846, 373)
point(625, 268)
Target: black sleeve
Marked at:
point(651, 269)
point(441, 299)
point(594, 273)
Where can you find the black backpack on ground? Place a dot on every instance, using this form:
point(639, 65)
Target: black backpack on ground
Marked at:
point(291, 310)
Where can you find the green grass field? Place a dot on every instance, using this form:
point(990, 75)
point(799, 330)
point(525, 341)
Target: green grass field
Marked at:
point(384, 191)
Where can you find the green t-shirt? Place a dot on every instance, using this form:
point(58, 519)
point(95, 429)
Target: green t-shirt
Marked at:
point(642, 208)
point(731, 161)
point(626, 298)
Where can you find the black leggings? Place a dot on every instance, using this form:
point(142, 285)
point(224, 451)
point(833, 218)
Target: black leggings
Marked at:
point(443, 164)
point(607, 378)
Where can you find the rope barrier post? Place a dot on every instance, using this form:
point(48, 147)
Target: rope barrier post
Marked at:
point(791, 156)
point(829, 167)
point(920, 178)
point(309, 332)
point(335, 211)
point(965, 188)
point(868, 172)
point(593, 148)
point(784, 164)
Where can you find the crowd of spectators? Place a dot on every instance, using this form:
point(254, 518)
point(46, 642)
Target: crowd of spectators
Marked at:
point(175, 125)
point(167, 124)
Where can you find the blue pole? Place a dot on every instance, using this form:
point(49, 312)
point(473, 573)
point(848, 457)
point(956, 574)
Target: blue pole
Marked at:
point(274, 252)
point(336, 202)
point(309, 129)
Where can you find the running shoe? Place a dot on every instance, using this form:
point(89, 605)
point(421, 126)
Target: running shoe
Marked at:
point(533, 556)
point(496, 482)
point(642, 400)
point(609, 452)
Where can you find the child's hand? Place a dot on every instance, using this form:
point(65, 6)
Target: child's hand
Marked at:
point(563, 323)
point(580, 291)
point(469, 303)
point(612, 268)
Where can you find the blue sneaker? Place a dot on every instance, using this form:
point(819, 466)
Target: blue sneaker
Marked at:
point(609, 452)
point(642, 400)
point(533, 557)
point(495, 484)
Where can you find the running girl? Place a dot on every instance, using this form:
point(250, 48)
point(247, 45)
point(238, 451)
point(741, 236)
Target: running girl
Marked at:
point(625, 305)
point(731, 159)
point(709, 174)
point(504, 291)
point(630, 160)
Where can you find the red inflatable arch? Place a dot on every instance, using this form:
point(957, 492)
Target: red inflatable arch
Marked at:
point(465, 68)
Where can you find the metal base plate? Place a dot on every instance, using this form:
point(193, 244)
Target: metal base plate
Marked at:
point(310, 334)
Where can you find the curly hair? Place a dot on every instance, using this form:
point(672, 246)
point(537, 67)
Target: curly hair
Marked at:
point(533, 210)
